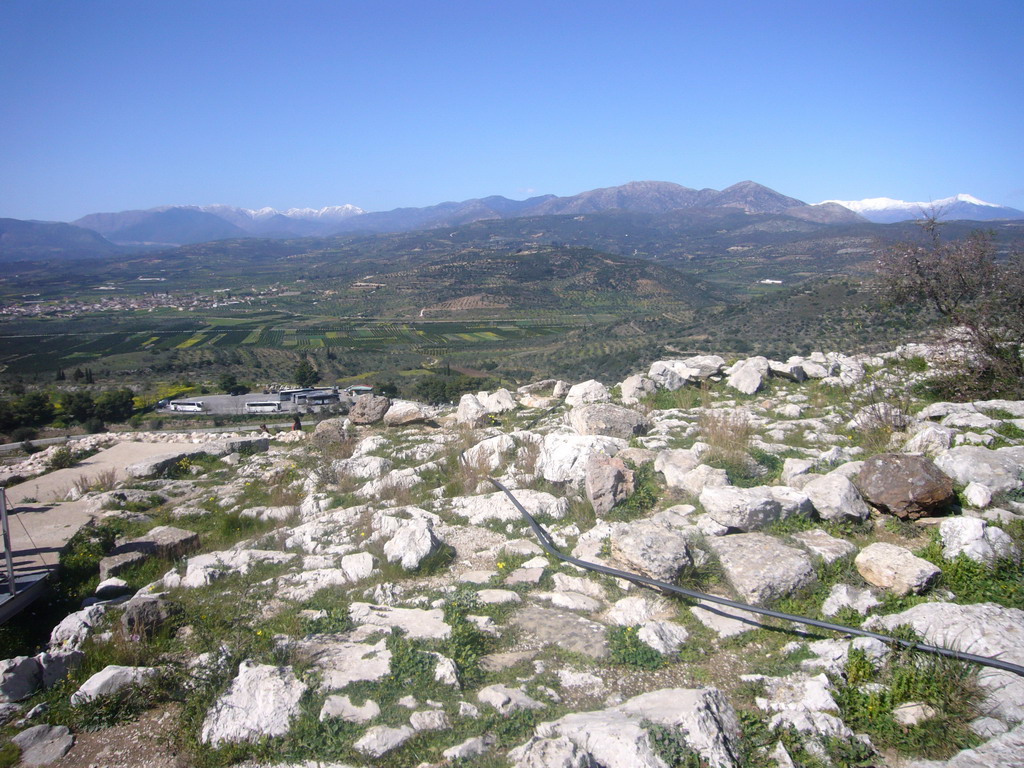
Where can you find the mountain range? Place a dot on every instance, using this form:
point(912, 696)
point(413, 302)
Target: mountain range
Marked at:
point(101, 234)
point(885, 210)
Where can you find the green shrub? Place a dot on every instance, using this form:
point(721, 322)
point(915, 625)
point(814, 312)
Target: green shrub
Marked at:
point(628, 650)
point(62, 458)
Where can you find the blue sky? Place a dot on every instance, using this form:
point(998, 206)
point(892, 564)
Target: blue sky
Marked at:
point(116, 104)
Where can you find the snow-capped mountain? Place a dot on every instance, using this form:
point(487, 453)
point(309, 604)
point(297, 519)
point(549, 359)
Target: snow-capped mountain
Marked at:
point(885, 210)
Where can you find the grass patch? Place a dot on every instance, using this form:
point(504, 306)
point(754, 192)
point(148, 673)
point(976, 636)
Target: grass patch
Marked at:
point(628, 650)
point(948, 686)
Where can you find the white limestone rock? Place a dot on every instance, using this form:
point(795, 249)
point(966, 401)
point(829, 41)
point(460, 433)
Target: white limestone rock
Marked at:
point(412, 543)
point(341, 662)
point(111, 679)
point(821, 544)
point(761, 568)
point(587, 392)
point(835, 498)
point(845, 596)
point(505, 699)
point(563, 458)
point(381, 739)
point(997, 470)
point(976, 539)
point(636, 388)
point(339, 706)
point(895, 569)
point(261, 702)
point(742, 509)
point(496, 506)
point(418, 624)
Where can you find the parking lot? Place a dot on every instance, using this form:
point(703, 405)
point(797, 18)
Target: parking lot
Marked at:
point(234, 405)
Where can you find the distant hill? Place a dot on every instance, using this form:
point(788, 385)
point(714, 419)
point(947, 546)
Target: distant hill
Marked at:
point(45, 239)
point(885, 210)
point(164, 226)
point(183, 225)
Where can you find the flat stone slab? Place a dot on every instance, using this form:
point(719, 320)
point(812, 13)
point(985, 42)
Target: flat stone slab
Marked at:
point(760, 567)
point(549, 626)
point(418, 624)
point(43, 744)
point(341, 662)
point(725, 622)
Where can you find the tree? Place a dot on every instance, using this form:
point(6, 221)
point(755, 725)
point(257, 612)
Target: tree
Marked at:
point(79, 405)
point(976, 297)
point(115, 406)
point(306, 375)
point(230, 384)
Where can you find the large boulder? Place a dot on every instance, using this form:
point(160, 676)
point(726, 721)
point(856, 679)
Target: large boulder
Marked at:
point(748, 376)
point(164, 541)
point(412, 543)
point(403, 412)
point(998, 470)
point(674, 464)
point(369, 409)
point(636, 388)
point(760, 567)
point(653, 550)
point(895, 568)
point(608, 481)
point(835, 498)
point(331, 431)
point(563, 458)
point(606, 419)
point(260, 703)
point(905, 486)
point(499, 401)
point(144, 616)
point(471, 411)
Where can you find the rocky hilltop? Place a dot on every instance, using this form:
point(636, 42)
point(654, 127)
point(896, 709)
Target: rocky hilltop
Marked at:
point(363, 595)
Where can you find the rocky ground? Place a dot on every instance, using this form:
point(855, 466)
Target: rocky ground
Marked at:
point(364, 596)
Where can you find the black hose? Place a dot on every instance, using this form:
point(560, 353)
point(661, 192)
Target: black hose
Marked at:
point(548, 544)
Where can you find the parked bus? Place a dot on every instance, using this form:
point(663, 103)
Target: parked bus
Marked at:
point(263, 406)
point(193, 406)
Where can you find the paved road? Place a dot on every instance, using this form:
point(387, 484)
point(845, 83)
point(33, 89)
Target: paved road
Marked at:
point(42, 526)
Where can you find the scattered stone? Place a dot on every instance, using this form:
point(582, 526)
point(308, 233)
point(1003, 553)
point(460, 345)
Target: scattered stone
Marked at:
point(895, 568)
point(402, 413)
point(844, 596)
point(20, 677)
point(505, 699)
point(381, 739)
point(653, 550)
point(112, 587)
point(912, 713)
point(587, 392)
point(343, 708)
point(997, 470)
point(472, 747)
point(977, 495)
point(163, 541)
point(498, 596)
point(821, 544)
point(418, 624)
point(723, 621)
point(748, 375)
point(43, 744)
point(471, 411)
point(636, 388)
point(674, 464)
point(906, 486)
point(341, 662)
point(144, 616)
point(741, 509)
point(412, 543)
point(430, 720)
point(548, 626)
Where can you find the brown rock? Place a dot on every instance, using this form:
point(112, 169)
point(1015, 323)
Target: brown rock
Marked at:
point(608, 481)
point(905, 486)
point(369, 409)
